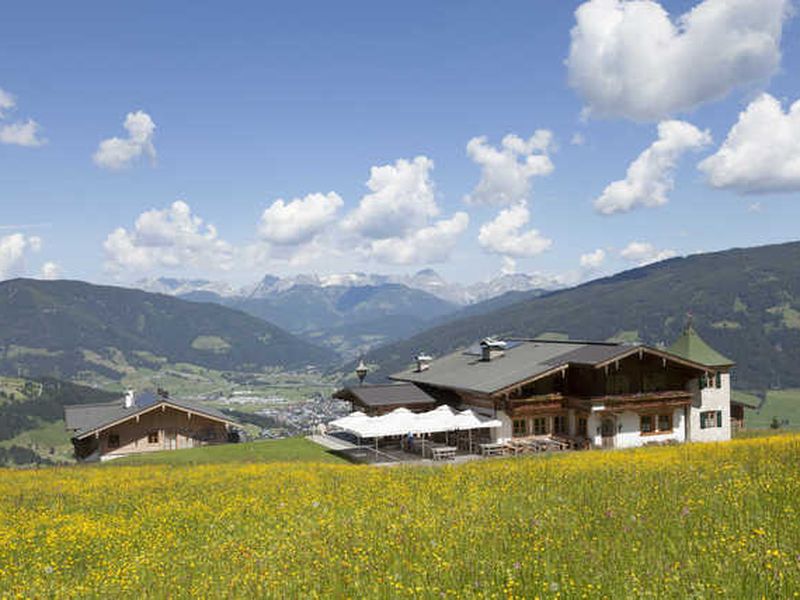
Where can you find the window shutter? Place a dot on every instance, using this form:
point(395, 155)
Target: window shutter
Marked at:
point(719, 418)
point(719, 379)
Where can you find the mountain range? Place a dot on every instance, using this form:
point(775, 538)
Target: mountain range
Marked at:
point(426, 280)
point(349, 313)
point(744, 302)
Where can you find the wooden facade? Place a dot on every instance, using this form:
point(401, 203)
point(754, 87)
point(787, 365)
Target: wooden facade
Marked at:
point(162, 427)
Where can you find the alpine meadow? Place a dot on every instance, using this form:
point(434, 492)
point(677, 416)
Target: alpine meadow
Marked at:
point(431, 301)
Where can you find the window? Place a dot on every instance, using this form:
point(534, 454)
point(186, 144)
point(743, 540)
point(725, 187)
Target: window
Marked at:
point(583, 427)
point(520, 427)
point(710, 419)
point(656, 423)
point(711, 380)
point(152, 437)
point(539, 426)
point(560, 424)
point(646, 423)
point(113, 440)
point(665, 422)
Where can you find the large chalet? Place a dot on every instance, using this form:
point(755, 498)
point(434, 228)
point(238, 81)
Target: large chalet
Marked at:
point(607, 395)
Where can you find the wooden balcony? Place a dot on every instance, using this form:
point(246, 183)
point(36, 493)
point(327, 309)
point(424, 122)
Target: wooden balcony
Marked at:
point(549, 404)
point(635, 401)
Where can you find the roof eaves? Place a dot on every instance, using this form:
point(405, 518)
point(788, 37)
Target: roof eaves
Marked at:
point(143, 410)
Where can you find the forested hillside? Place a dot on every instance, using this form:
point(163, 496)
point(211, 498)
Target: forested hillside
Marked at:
point(745, 302)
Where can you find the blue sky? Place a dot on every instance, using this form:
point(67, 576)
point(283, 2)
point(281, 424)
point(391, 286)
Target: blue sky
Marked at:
point(257, 102)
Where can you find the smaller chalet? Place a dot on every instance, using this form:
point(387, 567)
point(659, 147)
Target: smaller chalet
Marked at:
point(144, 422)
point(375, 400)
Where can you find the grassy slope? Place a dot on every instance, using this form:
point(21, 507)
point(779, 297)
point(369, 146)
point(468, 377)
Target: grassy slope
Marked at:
point(691, 521)
point(66, 327)
point(781, 404)
point(287, 450)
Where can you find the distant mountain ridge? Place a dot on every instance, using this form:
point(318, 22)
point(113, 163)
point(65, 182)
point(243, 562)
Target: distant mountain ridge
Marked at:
point(426, 280)
point(63, 328)
point(350, 313)
point(745, 303)
point(346, 319)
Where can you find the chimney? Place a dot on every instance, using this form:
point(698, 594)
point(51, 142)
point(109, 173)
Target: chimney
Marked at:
point(129, 401)
point(423, 362)
point(491, 349)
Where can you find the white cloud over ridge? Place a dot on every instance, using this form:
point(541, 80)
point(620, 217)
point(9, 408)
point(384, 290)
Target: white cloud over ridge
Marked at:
point(431, 244)
point(172, 238)
point(394, 223)
point(761, 153)
point(506, 172)
point(629, 59)
point(593, 260)
point(116, 153)
point(299, 220)
point(50, 270)
point(644, 253)
point(503, 235)
point(20, 133)
point(649, 177)
point(401, 199)
point(14, 249)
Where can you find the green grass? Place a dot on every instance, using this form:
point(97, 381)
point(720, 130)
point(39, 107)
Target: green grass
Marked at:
point(287, 450)
point(780, 404)
point(692, 521)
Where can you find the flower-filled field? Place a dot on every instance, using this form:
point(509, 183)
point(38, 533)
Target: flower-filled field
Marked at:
point(702, 521)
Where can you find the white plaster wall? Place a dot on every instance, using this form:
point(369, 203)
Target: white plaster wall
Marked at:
point(710, 399)
point(593, 429)
point(631, 436)
point(505, 432)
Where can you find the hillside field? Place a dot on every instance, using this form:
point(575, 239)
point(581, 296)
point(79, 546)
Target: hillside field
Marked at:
point(693, 521)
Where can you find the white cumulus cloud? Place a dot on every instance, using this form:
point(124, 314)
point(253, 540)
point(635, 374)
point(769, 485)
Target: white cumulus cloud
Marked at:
point(628, 58)
point(593, 260)
point(649, 177)
point(7, 102)
point(506, 172)
point(299, 220)
point(50, 270)
point(172, 238)
point(14, 249)
point(19, 133)
point(762, 151)
point(644, 253)
point(401, 199)
point(431, 244)
point(116, 153)
point(503, 235)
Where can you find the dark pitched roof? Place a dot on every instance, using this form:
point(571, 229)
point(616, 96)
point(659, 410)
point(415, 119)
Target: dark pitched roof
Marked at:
point(523, 360)
point(405, 394)
point(83, 419)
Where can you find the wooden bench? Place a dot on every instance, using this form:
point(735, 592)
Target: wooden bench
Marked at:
point(443, 452)
point(493, 449)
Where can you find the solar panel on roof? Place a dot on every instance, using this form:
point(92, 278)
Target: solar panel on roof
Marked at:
point(475, 349)
point(145, 399)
